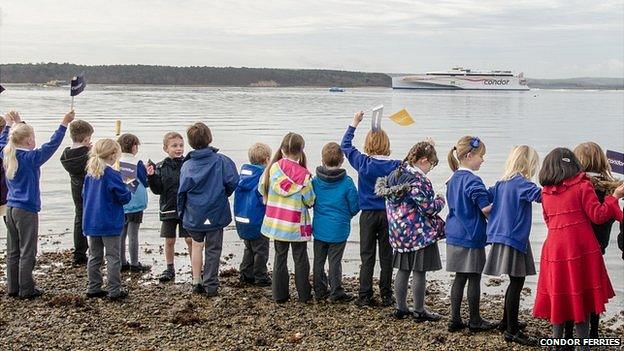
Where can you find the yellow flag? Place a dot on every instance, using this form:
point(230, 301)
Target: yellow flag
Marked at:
point(402, 118)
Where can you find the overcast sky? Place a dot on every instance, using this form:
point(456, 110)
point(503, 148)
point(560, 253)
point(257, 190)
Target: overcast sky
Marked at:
point(544, 39)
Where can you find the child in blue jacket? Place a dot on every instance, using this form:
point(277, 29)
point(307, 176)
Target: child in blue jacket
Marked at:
point(468, 204)
point(336, 203)
point(373, 221)
point(508, 230)
point(249, 214)
point(22, 163)
point(207, 179)
point(104, 194)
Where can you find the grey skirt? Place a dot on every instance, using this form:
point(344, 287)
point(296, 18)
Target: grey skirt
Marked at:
point(504, 259)
point(464, 260)
point(424, 260)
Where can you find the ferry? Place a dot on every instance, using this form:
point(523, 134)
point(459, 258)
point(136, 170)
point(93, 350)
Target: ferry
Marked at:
point(459, 78)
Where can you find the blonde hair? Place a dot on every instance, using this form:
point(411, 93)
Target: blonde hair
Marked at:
point(522, 160)
point(463, 147)
point(100, 152)
point(593, 159)
point(377, 143)
point(17, 136)
point(170, 136)
point(259, 153)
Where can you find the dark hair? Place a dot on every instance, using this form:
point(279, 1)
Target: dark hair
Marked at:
point(559, 164)
point(199, 136)
point(292, 145)
point(332, 155)
point(127, 141)
point(79, 130)
point(420, 150)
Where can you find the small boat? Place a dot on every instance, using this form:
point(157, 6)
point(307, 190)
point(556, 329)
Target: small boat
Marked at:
point(336, 90)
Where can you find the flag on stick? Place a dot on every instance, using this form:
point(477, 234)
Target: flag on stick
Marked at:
point(1, 89)
point(402, 118)
point(78, 84)
point(376, 122)
point(616, 160)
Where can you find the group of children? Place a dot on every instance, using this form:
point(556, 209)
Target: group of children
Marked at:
point(273, 198)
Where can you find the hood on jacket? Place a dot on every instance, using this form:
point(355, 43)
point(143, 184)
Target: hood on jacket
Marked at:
point(396, 185)
point(74, 160)
point(330, 175)
point(565, 184)
point(292, 179)
point(202, 153)
point(249, 176)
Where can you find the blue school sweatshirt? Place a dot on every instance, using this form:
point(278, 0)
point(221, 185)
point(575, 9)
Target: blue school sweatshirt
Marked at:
point(24, 189)
point(466, 195)
point(510, 219)
point(102, 204)
point(369, 168)
point(336, 203)
point(207, 179)
point(248, 206)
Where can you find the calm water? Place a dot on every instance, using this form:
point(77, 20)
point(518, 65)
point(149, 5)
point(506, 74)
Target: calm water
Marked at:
point(239, 117)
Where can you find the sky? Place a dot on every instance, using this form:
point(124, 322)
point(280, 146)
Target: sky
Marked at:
point(543, 39)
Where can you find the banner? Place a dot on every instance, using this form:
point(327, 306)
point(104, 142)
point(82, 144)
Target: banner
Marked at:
point(376, 121)
point(78, 84)
point(616, 160)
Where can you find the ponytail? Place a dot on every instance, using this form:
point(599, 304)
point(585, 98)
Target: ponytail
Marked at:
point(17, 136)
point(103, 150)
point(453, 162)
point(267, 172)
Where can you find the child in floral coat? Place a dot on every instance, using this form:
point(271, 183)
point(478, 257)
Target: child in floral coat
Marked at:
point(414, 227)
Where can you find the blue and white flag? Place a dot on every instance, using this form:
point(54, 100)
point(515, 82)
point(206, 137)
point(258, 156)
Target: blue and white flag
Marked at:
point(78, 84)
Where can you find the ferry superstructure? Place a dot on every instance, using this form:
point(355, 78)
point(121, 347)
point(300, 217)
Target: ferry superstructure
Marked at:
point(462, 79)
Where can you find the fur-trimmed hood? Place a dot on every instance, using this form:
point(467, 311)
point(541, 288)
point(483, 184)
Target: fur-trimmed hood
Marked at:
point(603, 185)
point(396, 185)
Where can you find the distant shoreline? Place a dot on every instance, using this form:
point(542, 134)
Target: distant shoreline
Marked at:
point(42, 73)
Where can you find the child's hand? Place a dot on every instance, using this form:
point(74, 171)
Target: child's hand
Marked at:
point(150, 169)
point(619, 191)
point(69, 117)
point(12, 117)
point(357, 118)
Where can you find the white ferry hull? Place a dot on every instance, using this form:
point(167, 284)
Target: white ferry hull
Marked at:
point(471, 82)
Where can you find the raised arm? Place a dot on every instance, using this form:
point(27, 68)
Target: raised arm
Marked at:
point(154, 179)
point(48, 149)
point(354, 156)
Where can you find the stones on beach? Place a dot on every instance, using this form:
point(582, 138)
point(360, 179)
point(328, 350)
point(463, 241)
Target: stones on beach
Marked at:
point(494, 282)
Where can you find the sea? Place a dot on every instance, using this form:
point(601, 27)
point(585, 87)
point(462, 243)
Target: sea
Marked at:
point(239, 117)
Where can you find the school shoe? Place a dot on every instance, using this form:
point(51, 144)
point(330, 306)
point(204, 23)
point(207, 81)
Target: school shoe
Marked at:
point(13, 295)
point(426, 316)
point(80, 261)
point(282, 301)
point(342, 298)
point(199, 289)
point(455, 326)
point(263, 283)
point(121, 296)
point(97, 294)
point(166, 276)
point(400, 314)
point(210, 294)
point(502, 326)
point(140, 268)
point(365, 302)
point(245, 280)
point(35, 294)
point(387, 301)
point(484, 325)
point(520, 338)
point(125, 267)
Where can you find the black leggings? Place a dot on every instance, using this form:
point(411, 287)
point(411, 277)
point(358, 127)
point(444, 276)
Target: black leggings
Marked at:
point(594, 321)
point(512, 304)
point(474, 293)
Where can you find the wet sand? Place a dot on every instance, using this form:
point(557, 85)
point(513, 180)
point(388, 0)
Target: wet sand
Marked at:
point(169, 317)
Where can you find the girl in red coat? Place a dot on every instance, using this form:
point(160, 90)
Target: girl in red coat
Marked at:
point(573, 280)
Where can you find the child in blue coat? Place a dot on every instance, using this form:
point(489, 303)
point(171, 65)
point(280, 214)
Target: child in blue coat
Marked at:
point(207, 180)
point(469, 204)
point(249, 214)
point(375, 163)
point(336, 203)
point(104, 194)
point(508, 230)
point(22, 163)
